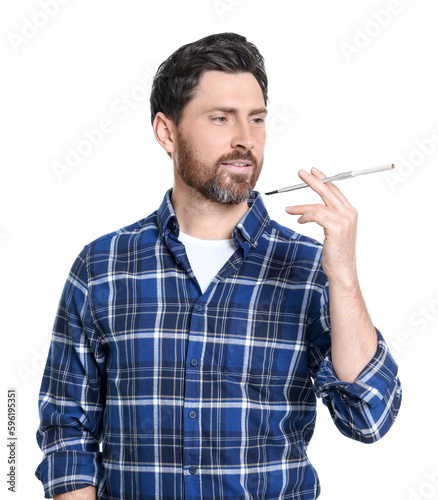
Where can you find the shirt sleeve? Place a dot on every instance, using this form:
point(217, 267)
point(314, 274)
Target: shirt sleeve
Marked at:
point(365, 409)
point(72, 393)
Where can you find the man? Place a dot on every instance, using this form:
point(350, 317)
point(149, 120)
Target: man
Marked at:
point(190, 345)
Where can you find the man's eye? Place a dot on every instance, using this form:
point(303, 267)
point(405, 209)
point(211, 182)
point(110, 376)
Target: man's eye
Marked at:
point(258, 121)
point(220, 118)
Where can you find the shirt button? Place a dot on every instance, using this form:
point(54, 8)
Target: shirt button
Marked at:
point(198, 307)
point(192, 414)
point(178, 260)
point(194, 362)
point(193, 470)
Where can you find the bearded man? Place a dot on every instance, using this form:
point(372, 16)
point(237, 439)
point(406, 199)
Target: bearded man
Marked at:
point(189, 347)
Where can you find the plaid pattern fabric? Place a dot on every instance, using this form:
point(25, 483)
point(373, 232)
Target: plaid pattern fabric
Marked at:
point(153, 390)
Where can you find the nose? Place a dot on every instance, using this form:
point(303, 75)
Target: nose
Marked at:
point(243, 137)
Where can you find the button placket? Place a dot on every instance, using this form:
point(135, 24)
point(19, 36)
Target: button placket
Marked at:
point(192, 454)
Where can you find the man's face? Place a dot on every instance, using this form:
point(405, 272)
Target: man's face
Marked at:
point(221, 137)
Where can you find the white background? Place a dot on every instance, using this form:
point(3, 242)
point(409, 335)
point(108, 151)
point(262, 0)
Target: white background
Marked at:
point(352, 85)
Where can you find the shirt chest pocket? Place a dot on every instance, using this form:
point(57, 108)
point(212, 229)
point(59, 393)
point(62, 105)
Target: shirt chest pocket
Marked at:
point(261, 350)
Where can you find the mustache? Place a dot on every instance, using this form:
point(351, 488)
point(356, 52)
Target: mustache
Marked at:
point(238, 155)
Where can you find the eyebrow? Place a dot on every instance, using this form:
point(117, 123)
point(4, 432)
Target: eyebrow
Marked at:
point(225, 109)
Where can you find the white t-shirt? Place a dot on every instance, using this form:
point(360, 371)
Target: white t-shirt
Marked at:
point(206, 257)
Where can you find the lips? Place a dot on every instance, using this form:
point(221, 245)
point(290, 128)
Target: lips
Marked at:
point(239, 166)
point(238, 163)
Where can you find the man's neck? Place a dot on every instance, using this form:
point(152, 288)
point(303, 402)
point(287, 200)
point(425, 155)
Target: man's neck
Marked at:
point(203, 218)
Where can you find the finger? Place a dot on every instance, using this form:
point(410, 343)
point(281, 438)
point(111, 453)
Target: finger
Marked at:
point(311, 213)
point(332, 186)
point(331, 220)
point(318, 173)
point(301, 209)
point(328, 195)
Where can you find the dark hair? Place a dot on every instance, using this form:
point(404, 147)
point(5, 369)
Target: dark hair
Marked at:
point(176, 78)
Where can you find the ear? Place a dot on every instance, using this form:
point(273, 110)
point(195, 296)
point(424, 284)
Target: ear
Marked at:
point(164, 130)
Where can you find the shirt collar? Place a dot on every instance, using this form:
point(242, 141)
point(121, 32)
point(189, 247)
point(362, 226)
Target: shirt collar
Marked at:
point(249, 229)
point(253, 223)
point(166, 217)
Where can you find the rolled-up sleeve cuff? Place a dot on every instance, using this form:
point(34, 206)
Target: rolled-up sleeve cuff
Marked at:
point(371, 385)
point(67, 471)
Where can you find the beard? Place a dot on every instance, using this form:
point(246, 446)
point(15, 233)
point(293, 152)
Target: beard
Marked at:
point(214, 182)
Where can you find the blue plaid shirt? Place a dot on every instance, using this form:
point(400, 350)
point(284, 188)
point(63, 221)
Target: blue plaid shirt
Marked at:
point(155, 390)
